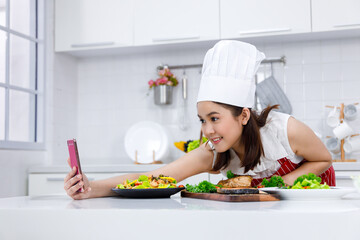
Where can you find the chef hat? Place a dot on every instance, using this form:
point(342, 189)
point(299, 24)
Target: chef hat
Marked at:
point(228, 73)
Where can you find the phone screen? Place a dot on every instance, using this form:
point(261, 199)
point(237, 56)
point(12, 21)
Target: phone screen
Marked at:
point(74, 155)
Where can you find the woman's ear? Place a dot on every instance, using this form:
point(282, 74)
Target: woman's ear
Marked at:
point(245, 116)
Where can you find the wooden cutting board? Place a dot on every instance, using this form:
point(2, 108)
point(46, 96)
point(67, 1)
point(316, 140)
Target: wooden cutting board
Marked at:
point(262, 196)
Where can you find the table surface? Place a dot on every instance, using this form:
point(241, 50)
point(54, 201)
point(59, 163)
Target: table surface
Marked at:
point(350, 202)
point(105, 217)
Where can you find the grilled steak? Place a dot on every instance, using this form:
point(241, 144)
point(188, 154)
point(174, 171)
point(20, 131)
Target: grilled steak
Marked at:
point(237, 182)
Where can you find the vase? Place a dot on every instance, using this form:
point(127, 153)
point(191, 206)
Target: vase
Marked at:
point(163, 94)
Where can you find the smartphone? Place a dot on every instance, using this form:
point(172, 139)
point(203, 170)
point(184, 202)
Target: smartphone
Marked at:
point(74, 155)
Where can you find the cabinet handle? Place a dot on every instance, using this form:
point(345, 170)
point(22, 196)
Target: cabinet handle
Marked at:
point(344, 177)
point(265, 31)
point(174, 38)
point(346, 25)
point(97, 44)
point(58, 179)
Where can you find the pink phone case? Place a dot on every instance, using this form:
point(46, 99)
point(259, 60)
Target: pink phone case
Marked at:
point(74, 155)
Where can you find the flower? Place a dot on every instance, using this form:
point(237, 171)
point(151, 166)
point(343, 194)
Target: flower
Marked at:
point(166, 77)
point(151, 82)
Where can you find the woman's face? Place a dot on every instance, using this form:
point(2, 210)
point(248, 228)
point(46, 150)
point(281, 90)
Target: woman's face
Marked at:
point(219, 125)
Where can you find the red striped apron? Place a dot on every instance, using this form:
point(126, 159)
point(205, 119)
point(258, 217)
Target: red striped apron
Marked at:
point(286, 166)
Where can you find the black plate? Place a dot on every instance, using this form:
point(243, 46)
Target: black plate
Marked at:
point(147, 193)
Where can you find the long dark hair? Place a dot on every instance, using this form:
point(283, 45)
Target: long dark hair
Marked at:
point(250, 138)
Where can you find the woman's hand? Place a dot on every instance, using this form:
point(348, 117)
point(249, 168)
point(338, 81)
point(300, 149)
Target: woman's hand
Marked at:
point(73, 183)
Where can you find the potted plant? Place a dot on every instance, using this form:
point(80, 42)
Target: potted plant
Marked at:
point(163, 86)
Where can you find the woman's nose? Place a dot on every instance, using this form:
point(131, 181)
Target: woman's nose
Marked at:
point(208, 129)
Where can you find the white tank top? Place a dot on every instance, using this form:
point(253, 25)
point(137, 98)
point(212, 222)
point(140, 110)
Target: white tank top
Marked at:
point(275, 144)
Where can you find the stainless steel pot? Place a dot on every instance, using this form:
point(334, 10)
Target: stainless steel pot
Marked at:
point(163, 94)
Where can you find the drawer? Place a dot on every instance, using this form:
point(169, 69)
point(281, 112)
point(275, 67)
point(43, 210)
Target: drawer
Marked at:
point(343, 178)
point(40, 184)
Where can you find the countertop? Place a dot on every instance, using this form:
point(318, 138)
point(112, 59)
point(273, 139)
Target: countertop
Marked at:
point(59, 217)
point(119, 168)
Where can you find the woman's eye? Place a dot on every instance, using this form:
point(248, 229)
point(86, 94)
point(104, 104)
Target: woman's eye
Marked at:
point(202, 121)
point(214, 119)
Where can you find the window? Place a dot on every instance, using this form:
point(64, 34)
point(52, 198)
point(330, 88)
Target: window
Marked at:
point(21, 74)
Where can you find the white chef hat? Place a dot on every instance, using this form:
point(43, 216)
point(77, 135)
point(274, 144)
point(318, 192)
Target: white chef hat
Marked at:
point(228, 73)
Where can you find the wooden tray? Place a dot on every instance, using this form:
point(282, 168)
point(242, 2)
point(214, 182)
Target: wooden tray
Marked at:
point(262, 196)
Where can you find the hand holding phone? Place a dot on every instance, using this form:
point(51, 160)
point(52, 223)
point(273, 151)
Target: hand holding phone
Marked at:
point(74, 155)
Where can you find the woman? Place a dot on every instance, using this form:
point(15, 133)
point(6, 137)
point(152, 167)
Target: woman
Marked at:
point(262, 145)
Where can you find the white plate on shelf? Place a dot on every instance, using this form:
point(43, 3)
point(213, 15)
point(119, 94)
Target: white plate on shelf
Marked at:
point(144, 138)
point(310, 194)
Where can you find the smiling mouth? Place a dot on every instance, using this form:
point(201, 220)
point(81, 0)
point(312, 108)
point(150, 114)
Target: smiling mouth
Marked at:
point(216, 140)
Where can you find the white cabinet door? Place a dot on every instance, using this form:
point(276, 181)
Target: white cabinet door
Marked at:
point(42, 184)
point(88, 24)
point(335, 14)
point(167, 21)
point(249, 18)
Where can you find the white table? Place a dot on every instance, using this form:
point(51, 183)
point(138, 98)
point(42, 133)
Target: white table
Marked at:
point(59, 217)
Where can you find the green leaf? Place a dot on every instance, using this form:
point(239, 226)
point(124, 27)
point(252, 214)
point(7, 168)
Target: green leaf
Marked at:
point(146, 184)
point(202, 187)
point(229, 174)
point(142, 178)
point(275, 181)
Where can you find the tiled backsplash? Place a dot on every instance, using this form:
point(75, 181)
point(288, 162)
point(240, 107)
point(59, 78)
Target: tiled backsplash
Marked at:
point(112, 92)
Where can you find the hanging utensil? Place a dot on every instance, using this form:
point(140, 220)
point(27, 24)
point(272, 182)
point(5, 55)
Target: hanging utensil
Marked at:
point(183, 119)
point(269, 93)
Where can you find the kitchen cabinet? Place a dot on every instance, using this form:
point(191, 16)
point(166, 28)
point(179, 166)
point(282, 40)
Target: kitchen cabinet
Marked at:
point(343, 178)
point(89, 24)
point(169, 21)
point(249, 18)
point(50, 179)
point(328, 15)
point(53, 183)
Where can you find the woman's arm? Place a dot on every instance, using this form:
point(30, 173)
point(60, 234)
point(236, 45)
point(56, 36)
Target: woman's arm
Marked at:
point(192, 163)
point(305, 143)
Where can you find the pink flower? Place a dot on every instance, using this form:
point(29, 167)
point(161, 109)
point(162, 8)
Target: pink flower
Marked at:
point(166, 77)
point(163, 80)
point(151, 83)
point(169, 74)
point(162, 72)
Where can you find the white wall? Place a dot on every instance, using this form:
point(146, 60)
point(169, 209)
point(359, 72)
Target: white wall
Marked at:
point(61, 104)
point(112, 92)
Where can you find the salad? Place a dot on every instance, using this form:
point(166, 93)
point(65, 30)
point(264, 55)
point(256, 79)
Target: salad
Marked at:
point(307, 181)
point(202, 187)
point(310, 181)
point(145, 182)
